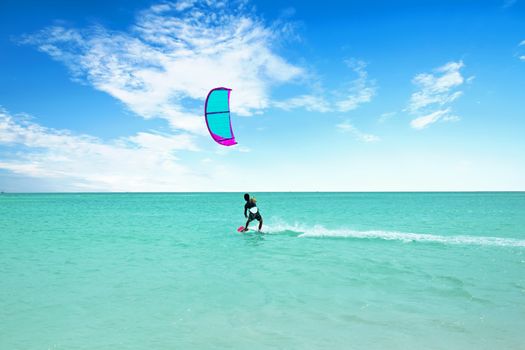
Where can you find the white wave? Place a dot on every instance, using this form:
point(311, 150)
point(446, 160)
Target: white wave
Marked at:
point(320, 231)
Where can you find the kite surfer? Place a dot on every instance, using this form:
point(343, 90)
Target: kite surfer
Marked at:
point(251, 212)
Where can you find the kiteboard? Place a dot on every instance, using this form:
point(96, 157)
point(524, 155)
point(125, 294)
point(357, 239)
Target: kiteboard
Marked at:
point(241, 229)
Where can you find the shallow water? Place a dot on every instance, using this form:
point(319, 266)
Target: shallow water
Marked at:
point(332, 270)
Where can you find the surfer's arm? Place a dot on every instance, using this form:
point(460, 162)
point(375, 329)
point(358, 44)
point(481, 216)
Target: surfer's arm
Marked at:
point(245, 209)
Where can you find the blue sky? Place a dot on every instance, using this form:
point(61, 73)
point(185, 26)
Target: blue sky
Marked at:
point(347, 96)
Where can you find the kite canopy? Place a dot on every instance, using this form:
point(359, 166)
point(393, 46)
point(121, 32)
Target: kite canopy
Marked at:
point(217, 115)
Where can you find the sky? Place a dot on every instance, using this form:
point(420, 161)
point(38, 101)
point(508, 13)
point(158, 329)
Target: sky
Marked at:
point(333, 96)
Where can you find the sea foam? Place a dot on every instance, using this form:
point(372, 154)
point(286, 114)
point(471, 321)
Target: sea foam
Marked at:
point(320, 231)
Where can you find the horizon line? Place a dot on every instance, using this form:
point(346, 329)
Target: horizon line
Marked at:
point(211, 192)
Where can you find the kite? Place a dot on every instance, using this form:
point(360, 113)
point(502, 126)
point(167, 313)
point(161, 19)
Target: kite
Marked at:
point(217, 115)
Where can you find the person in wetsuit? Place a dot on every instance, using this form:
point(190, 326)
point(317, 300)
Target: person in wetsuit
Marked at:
point(251, 212)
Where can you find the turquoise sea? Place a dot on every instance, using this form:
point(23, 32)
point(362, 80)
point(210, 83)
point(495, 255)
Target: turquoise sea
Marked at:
point(331, 271)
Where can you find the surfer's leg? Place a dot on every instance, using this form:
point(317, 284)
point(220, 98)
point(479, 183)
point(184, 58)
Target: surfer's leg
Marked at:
point(260, 222)
point(250, 218)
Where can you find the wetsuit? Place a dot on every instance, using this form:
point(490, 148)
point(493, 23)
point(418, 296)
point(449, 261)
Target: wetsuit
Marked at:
point(251, 216)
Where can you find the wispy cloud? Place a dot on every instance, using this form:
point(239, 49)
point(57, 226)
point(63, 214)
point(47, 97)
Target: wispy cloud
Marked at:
point(347, 127)
point(359, 91)
point(508, 3)
point(346, 98)
point(424, 121)
point(174, 54)
point(143, 162)
point(386, 116)
point(437, 91)
point(520, 45)
point(308, 102)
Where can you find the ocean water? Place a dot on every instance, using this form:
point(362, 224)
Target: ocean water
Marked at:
point(331, 271)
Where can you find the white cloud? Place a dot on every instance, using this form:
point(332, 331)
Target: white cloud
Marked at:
point(166, 63)
point(436, 92)
point(344, 99)
point(426, 120)
point(308, 102)
point(223, 151)
point(161, 143)
point(520, 56)
point(346, 127)
point(359, 91)
point(171, 58)
point(385, 116)
point(437, 88)
point(144, 162)
point(183, 5)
